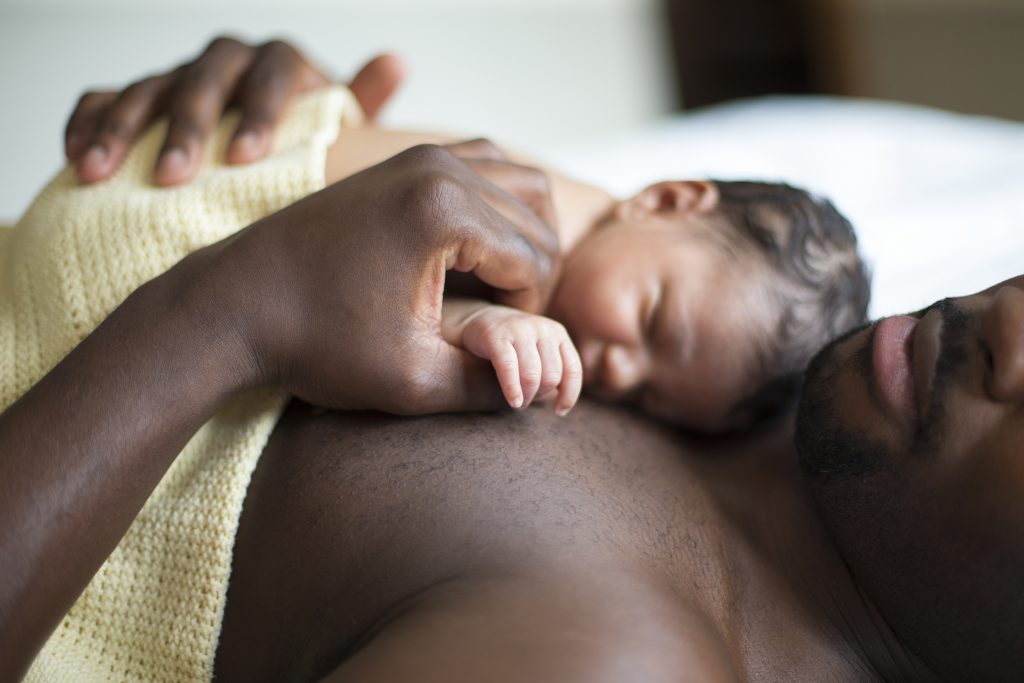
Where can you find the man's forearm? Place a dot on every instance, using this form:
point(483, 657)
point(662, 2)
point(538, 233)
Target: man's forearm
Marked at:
point(82, 451)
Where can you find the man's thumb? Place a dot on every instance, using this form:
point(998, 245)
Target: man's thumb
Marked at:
point(465, 383)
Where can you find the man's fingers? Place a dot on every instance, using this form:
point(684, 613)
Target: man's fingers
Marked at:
point(82, 124)
point(517, 255)
point(522, 258)
point(377, 82)
point(506, 260)
point(119, 126)
point(276, 75)
point(529, 185)
point(261, 111)
point(262, 79)
point(203, 91)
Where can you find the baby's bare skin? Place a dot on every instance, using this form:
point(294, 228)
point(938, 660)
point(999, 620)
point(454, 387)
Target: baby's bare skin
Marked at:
point(522, 547)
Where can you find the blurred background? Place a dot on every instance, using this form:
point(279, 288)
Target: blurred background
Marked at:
point(539, 75)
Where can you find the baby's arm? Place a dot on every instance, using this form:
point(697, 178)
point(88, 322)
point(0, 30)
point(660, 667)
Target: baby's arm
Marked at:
point(532, 355)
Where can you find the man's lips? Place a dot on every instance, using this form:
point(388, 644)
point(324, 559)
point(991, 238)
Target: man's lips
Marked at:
point(905, 353)
point(892, 361)
point(927, 345)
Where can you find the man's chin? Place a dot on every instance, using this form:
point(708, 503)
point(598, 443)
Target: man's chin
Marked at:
point(829, 449)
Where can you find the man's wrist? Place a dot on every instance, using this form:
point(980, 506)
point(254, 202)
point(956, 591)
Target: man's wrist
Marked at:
point(209, 321)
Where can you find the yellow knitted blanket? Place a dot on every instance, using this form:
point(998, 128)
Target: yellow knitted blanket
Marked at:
point(153, 611)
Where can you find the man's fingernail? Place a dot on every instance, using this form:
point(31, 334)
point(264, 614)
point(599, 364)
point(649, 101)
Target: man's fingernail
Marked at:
point(95, 156)
point(247, 144)
point(173, 161)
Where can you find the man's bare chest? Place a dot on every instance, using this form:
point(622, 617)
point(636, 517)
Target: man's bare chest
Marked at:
point(352, 518)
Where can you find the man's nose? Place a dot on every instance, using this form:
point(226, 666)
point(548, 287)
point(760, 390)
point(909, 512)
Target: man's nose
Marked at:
point(624, 368)
point(1002, 332)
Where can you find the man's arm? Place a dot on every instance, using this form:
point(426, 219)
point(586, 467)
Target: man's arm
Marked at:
point(84, 448)
point(299, 301)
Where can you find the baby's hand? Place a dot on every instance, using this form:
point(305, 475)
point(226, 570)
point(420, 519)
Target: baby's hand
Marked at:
point(532, 356)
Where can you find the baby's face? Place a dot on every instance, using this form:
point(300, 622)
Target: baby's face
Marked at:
point(666, 319)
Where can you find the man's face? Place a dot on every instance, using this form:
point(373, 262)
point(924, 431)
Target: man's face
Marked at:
point(911, 434)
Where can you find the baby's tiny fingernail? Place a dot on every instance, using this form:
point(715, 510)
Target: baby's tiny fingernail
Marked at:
point(516, 402)
point(562, 412)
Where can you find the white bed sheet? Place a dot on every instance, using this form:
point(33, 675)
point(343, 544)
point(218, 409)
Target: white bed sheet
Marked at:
point(937, 198)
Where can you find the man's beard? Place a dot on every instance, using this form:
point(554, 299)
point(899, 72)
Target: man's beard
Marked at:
point(831, 450)
point(828, 448)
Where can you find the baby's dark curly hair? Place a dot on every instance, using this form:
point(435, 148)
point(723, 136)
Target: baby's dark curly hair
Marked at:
point(823, 288)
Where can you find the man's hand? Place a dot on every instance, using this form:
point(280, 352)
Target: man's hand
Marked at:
point(532, 355)
point(259, 80)
point(339, 295)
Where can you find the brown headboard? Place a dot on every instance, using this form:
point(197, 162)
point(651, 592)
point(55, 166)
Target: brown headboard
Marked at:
point(727, 49)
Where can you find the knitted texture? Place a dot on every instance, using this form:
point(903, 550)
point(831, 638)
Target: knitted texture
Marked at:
point(153, 611)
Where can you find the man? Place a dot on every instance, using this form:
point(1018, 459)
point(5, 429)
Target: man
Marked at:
point(910, 433)
point(517, 546)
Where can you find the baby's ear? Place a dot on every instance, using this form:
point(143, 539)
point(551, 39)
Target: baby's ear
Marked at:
point(672, 199)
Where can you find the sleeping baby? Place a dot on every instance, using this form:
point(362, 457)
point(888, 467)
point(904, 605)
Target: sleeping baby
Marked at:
point(700, 302)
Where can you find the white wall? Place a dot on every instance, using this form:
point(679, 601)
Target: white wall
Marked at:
point(529, 73)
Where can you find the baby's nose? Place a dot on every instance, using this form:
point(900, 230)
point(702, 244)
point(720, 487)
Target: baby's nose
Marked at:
point(624, 369)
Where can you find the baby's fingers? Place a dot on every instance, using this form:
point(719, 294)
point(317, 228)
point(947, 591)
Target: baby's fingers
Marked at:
point(530, 367)
point(505, 360)
point(572, 378)
point(551, 368)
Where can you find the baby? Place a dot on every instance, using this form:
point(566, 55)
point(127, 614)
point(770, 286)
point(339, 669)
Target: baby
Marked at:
point(699, 301)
